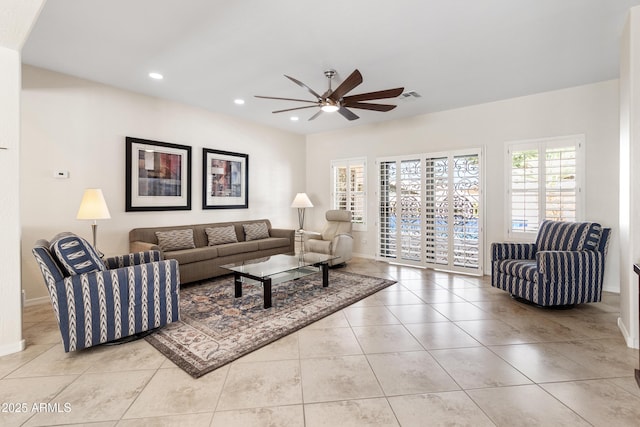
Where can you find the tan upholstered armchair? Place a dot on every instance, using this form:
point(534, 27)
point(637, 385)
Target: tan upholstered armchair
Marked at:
point(335, 239)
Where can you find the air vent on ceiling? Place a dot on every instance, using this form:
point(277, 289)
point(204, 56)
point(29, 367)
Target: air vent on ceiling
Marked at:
point(411, 94)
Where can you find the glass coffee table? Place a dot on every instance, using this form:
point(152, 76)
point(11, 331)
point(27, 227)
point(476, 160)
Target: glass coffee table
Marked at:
point(275, 269)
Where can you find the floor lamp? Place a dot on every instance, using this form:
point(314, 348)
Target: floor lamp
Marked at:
point(93, 207)
point(301, 202)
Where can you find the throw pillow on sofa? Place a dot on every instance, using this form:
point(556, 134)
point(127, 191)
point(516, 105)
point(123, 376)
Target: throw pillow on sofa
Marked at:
point(256, 231)
point(75, 254)
point(221, 235)
point(175, 240)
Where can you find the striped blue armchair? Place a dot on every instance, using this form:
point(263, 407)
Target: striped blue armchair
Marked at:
point(96, 302)
point(565, 265)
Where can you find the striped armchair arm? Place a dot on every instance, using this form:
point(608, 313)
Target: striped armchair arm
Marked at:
point(500, 251)
point(99, 307)
point(133, 259)
point(572, 277)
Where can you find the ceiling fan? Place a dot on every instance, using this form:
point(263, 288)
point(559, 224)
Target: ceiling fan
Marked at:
point(335, 100)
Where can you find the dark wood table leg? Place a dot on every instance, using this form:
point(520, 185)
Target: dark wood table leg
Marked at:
point(325, 274)
point(238, 284)
point(266, 284)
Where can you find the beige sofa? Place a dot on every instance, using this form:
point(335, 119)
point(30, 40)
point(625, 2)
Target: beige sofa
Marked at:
point(204, 261)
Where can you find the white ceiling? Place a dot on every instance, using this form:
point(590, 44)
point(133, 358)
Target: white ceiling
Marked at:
point(452, 52)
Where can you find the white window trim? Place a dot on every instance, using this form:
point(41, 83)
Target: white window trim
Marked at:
point(542, 144)
point(355, 161)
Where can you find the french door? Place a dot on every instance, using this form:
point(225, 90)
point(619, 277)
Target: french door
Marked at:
point(430, 210)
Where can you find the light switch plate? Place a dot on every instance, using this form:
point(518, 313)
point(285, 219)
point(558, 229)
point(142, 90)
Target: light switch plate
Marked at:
point(59, 174)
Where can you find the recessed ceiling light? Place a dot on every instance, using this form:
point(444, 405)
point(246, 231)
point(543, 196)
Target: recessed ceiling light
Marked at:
point(294, 118)
point(156, 76)
point(239, 101)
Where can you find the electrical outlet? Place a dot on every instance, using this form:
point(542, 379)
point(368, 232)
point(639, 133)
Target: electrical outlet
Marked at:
point(60, 174)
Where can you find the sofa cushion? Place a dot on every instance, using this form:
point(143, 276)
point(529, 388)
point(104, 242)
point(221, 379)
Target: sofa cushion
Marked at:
point(221, 235)
point(256, 231)
point(187, 256)
point(568, 236)
point(236, 248)
point(524, 269)
point(272, 242)
point(76, 255)
point(175, 240)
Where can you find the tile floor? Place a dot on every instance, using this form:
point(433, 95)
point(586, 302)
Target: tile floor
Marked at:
point(434, 349)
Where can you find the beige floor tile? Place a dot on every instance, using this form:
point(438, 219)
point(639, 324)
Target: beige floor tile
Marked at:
point(11, 362)
point(172, 392)
point(55, 361)
point(419, 313)
point(507, 308)
point(410, 373)
point(137, 354)
point(185, 420)
point(18, 396)
point(286, 348)
point(524, 405)
point(438, 409)
point(258, 384)
point(385, 339)
point(278, 416)
point(42, 333)
point(628, 383)
point(542, 363)
point(477, 367)
point(482, 294)
point(608, 357)
point(338, 378)
point(328, 342)
point(541, 329)
point(450, 281)
point(593, 401)
point(400, 298)
point(39, 313)
point(96, 397)
point(494, 332)
point(437, 296)
point(441, 335)
point(369, 316)
point(335, 320)
point(455, 311)
point(375, 300)
point(365, 412)
point(594, 326)
point(420, 284)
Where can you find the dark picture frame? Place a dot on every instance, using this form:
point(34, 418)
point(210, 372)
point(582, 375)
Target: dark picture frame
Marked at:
point(225, 180)
point(158, 176)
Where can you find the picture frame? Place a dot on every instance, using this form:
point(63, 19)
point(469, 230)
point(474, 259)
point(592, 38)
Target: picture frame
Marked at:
point(158, 176)
point(225, 180)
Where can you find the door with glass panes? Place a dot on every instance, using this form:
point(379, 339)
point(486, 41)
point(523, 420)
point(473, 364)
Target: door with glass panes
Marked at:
point(430, 210)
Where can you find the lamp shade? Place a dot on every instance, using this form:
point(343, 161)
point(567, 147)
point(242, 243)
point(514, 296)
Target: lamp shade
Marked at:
point(301, 201)
point(93, 205)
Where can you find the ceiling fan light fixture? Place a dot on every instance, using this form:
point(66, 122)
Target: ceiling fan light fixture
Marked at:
point(329, 108)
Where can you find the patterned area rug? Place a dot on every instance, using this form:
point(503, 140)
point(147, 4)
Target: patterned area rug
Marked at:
point(216, 328)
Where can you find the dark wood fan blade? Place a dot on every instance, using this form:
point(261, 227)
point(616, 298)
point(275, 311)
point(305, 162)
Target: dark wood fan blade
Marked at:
point(285, 99)
point(368, 106)
point(381, 94)
point(346, 86)
point(315, 115)
point(292, 109)
point(299, 83)
point(349, 115)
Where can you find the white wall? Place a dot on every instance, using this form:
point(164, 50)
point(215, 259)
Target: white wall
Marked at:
point(80, 126)
point(629, 177)
point(591, 110)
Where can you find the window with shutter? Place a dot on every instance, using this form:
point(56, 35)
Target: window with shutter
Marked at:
point(349, 189)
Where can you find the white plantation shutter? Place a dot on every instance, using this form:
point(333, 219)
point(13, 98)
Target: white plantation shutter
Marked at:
point(543, 183)
point(349, 189)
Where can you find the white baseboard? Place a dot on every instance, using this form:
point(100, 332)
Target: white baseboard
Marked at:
point(11, 348)
point(365, 256)
point(632, 342)
point(36, 301)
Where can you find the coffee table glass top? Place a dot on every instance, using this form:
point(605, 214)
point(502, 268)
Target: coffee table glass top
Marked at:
point(276, 264)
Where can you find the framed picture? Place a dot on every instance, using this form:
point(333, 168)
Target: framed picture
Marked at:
point(158, 176)
point(225, 180)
